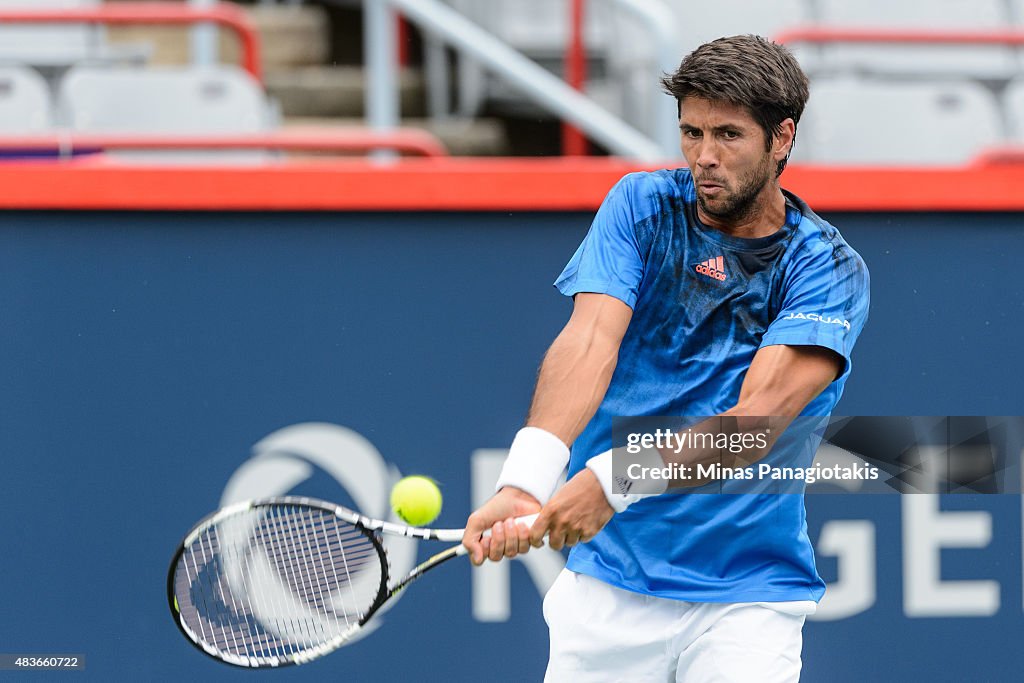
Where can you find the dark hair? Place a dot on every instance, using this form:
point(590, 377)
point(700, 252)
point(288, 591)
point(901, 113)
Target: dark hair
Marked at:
point(749, 71)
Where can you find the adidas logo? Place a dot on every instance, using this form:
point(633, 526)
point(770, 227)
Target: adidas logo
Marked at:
point(713, 268)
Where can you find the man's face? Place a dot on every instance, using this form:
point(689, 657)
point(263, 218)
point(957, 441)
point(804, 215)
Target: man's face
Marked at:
point(727, 153)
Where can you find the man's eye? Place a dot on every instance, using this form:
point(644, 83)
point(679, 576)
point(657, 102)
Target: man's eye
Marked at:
point(730, 134)
point(694, 134)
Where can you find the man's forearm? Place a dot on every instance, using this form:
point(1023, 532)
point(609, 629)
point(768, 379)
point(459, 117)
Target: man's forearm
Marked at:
point(757, 435)
point(572, 381)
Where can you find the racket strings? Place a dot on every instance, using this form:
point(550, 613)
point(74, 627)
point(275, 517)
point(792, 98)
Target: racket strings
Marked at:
point(296, 540)
point(272, 582)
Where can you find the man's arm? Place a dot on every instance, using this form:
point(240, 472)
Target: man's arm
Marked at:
point(570, 386)
point(781, 381)
point(579, 365)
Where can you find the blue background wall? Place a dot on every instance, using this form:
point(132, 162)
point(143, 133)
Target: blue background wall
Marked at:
point(144, 354)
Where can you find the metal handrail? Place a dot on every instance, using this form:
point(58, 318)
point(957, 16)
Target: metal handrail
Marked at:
point(657, 17)
point(224, 14)
point(548, 90)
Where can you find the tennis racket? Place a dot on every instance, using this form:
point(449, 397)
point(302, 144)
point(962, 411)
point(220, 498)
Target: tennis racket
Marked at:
point(285, 580)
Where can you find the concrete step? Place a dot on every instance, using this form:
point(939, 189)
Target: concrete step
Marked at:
point(478, 137)
point(336, 90)
point(290, 36)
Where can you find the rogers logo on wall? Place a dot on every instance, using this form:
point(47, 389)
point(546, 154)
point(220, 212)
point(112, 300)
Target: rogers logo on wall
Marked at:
point(288, 457)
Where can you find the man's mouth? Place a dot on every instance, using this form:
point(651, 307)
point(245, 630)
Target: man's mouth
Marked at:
point(710, 187)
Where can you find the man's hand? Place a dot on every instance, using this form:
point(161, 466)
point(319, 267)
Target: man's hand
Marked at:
point(507, 538)
point(573, 515)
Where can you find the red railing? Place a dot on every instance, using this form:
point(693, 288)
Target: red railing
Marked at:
point(411, 141)
point(158, 13)
point(830, 34)
point(574, 142)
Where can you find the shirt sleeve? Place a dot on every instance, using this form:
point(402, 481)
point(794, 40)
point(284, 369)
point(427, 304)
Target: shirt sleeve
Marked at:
point(825, 303)
point(608, 261)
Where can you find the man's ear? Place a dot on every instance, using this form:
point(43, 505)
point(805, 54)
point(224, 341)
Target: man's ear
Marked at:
point(782, 144)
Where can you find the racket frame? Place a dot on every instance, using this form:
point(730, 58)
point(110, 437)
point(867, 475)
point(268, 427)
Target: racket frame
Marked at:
point(369, 526)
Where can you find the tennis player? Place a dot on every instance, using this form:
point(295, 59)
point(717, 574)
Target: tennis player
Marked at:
point(706, 290)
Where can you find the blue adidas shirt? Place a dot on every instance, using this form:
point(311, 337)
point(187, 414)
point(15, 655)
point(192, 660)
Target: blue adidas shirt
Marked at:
point(703, 304)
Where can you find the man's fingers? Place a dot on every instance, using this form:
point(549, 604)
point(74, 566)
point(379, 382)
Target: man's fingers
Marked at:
point(472, 543)
point(497, 542)
point(511, 538)
point(556, 539)
point(503, 539)
point(476, 552)
point(508, 527)
point(539, 528)
point(523, 533)
point(471, 539)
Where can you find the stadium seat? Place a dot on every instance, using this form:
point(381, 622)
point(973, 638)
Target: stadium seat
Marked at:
point(700, 22)
point(24, 102)
point(201, 100)
point(1013, 106)
point(852, 121)
point(195, 101)
point(987, 62)
point(1017, 23)
point(49, 45)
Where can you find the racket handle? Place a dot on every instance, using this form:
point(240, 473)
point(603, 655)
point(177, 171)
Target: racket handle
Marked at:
point(528, 520)
point(455, 535)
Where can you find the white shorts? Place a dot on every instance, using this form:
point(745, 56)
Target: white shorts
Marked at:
point(600, 633)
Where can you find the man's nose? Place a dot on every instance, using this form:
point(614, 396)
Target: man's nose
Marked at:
point(707, 156)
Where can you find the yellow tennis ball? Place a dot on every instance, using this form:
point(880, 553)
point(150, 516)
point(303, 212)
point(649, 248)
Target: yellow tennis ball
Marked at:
point(416, 500)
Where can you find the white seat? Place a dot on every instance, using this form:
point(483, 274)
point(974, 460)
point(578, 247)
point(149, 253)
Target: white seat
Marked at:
point(204, 100)
point(851, 121)
point(1017, 22)
point(49, 44)
point(1013, 106)
point(170, 100)
point(977, 61)
point(700, 22)
point(24, 102)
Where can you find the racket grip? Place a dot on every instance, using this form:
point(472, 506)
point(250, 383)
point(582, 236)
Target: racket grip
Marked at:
point(528, 520)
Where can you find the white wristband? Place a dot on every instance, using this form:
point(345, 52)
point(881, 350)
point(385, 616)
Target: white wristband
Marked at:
point(535, 463)
point(601, 466)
